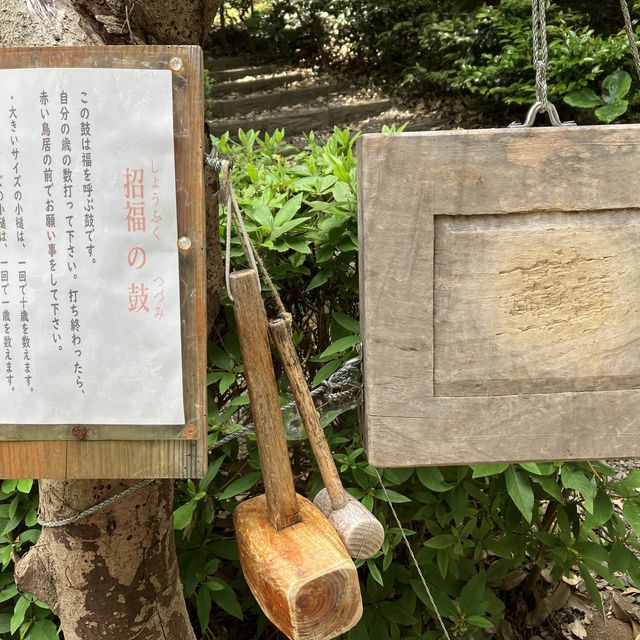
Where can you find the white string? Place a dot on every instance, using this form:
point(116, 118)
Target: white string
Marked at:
point(413, 557)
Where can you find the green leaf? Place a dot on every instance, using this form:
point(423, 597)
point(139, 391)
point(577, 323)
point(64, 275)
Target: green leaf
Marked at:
point(442, 558)
point(252, 173)
point(212, 472)
point(287, 226)
point(617, 84)
point(550, 486)
point(443, 541)
point(203, 607)
point(346, 322)
point(19, 612)
point(226, 381)
point(226, 599)
point(520, 491)
point(573, 478)
point(539, 469)
point(43, 629)
point(583, 98)
point(432, 479)
point(325, 371)
point(5, 622)
point(592, 588)
point(395, 613)
point(391, 496)
point(483, 470)
point(459, 501)
point(340, 346)
point(298, 245)
point(630, 484)
point(288, 210)
point(241, 485)
point(375, 572)
point(216, 585)
point(24, 486)
point(479, 621)
point(613, 110)
point(631, 511)
point(602, 511)
point(319, 279)
point(183, 514)
point(472, 595)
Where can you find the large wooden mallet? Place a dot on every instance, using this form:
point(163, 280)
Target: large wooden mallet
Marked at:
point(358, 528)
point(293, 560)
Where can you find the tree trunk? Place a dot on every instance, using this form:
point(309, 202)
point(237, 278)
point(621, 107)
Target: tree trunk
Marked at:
point(113, 574)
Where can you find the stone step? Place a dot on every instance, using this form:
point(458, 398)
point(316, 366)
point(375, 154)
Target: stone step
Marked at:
point(256, 84)
point(225, 62)
point(295, 122)
point(262, 101)
point(224, 75)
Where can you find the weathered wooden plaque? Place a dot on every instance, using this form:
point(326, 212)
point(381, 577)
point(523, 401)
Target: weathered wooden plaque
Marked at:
point(102, 263)
point(500, 295)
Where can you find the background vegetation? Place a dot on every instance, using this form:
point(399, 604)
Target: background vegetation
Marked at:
point(481, 50)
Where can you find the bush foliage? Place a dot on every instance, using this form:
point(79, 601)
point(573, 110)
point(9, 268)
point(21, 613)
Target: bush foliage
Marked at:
point(470, 48)
point(484, 536)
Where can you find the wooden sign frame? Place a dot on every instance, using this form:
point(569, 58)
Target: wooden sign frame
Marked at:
point(500, 320)
point(136, 451)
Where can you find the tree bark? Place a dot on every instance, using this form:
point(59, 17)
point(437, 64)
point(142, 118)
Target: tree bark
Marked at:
point(113, 574)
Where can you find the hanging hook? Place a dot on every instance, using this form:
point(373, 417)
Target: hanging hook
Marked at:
point(536, 107)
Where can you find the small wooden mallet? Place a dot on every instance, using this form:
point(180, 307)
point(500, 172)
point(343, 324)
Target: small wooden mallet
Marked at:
point(357, 527)
point(293, 560)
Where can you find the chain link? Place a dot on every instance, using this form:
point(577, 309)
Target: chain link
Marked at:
point(540, 51)
point(631, 36)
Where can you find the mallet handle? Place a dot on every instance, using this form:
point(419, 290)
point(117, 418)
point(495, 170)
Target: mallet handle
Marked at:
point(282, 339)
point(251, 322)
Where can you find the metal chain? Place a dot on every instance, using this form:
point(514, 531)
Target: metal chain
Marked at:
point(628, 24)
point(333, 390)
point(63, 522)
point(540, 50)
point(541, 66)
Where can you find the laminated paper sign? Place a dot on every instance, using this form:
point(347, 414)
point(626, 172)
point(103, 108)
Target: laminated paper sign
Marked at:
point(89, 285)
point(103, 327)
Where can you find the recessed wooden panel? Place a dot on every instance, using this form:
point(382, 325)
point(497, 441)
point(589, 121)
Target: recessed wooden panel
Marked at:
point(136, 451)
point(499, 276)
point(536, 303)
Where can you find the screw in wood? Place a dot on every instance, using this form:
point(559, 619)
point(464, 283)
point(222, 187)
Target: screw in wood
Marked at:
point(184, 244)
point(190, 432)
point(79, 432)
point(176, 64)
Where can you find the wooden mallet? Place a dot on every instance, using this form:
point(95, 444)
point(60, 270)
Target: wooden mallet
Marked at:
point(357, 527)
point(293, 560)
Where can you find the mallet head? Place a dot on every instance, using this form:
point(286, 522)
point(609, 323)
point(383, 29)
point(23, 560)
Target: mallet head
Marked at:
point(301, 575)
point(358, 528)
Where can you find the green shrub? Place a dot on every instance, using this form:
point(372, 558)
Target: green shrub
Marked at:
point(467, 48)
point(488, 52)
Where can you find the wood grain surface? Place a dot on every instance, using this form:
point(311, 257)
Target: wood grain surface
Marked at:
point(251, 323)
point(105, 452)
point(499, 305)
point(297, 382)
point(301, 576)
